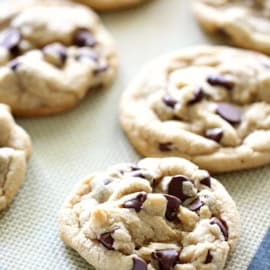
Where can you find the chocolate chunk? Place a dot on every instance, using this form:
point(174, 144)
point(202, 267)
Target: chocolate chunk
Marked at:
point(169, 101)
point(84, 38)
point(206, 181)
point(165, 147)
point(107, 240)
point(198, 96)
point(173, 204)
point(136, 203)
point(208, 258)
point(214, 134)
point(175, 187)
point(139, 264)
point(14, 64)
point(166, 258)
point(220, 80)
point(55, 53)
point(222, 225)
point(10, 40)
point(229, 112)
point(195, 205)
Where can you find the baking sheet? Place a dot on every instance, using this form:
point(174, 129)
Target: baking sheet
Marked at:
point(68, 147)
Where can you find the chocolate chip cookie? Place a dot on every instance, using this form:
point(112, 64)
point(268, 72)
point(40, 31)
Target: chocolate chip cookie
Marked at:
point(207, 104)
point(15, 150)
point(105, 5)
point(245, 23)
point(52, 53)
point(156, 214)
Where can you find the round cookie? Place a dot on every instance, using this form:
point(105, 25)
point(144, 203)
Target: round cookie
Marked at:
point(15, 150)
point(164, 214)
point(245, 23)
point(52, 53)
point(207, 104)
point(106, 5)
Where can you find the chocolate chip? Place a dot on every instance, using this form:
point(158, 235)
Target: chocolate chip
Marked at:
point(169, 101)
point(220, 80)
point(87, 55)
point(139, 264)
point(55, 53)
point(206, 181)
point(135, 167)
point(166, 258)
point(229, 112)
point(107, 240)
point(198, 96)
point(175, 187)
point(14, 64)
point(165, 147)
point(10, 40)
point(84, 38)
point(173, 204)
point(136, 203)
point(208, 258)
point(222, 225)
point(195, 205)
point(214, 134)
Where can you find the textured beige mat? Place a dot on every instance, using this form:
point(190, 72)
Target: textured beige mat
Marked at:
point(70, 146)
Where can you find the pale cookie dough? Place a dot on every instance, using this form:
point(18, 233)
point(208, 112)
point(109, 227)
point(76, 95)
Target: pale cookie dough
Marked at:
point(15, 150)
point(105, 5)
point(245, 23)
point(52, 53)
point(163, 214)
point(207, 104)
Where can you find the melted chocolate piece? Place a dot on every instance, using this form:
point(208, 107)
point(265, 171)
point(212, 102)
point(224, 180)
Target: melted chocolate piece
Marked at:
point(166, 258)
point(229, 112)
point(84, 38)
point(169, 101)
point(214, 134)
point(107, 240)
point(136, 203)
point(175, 187)
point(198, 96)
point(206, 181)
point(165, 147)
point(208, 258)
point(173, 204)
point(222, 225)
point(220, 80)
point(195, 205)
point(11, 39)
point(139, 264)
point(56, 50)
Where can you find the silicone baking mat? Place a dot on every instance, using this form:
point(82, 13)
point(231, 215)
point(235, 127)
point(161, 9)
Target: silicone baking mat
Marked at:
point(67, 147)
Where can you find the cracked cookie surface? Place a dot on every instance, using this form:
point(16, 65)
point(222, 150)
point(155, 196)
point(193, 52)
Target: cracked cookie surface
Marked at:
point(163, 214)
point(15, 150)
point(245, 23)
point(207, 104)
point(105, 5)
point(52, 53)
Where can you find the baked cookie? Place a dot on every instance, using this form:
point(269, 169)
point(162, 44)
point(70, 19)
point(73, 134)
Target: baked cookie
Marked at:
point(245, 23)
point(207, 104)
point(105, 5)
point(15, 150)
point(52, 53)
point(157, 214)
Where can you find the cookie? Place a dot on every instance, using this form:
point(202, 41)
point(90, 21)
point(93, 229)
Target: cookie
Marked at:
point(244, 23)
point(159, 214)
point(52, 53)
point(15, 150)
point(106, 5)
point(207, 104)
